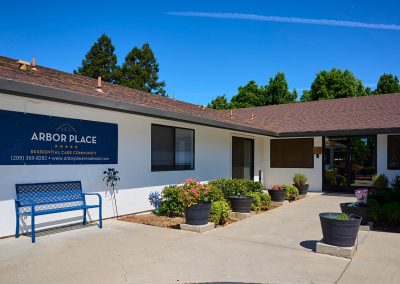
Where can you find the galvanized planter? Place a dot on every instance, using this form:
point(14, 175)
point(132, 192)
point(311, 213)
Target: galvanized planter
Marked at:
point(197, 214)
point(241, 203)
point(277, 195)
point(363, 212)
point(342, 233)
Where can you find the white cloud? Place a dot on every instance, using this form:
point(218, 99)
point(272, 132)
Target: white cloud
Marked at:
point(292, 20)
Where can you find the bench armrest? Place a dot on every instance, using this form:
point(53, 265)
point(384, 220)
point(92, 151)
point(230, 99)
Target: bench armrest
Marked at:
point(98, 195)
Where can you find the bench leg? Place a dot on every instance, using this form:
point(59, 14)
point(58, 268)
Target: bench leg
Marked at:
point(84, 216)
point(100, 218)
point(33, 228)
point(17, 227)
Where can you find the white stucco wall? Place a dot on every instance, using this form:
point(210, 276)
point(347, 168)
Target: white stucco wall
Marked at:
point(382, 158)
point(285, 175)
point(212, 160)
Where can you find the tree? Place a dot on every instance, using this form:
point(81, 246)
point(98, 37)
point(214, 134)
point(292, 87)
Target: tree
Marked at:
point(250, 95)
point(277, 91)
point(140, 71)
point(388, 83)
point(334, 84)
point(220, 102)
point(100, 61)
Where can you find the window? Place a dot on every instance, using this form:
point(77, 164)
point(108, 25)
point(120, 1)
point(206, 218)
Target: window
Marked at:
point(242, 158)
point(172, 148)
point(292, 153)
point(393, 152)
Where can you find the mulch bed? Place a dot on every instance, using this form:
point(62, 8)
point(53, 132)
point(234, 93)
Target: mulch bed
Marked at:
point(174, 222)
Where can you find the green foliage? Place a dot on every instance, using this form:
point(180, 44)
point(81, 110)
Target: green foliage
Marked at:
point(140, 71)
point(170, 204)
point(265, 201)
point(334, 84)
point(215, 193)
point(219, 213)
point(250, 95)
point(220, 102)
point(396, 183)
point(231, 187)
point(374, 209)
point(380, 182)
point(299, 179)
point(391, 213)
point(331, 177)
point(388, 83)
point(277, 91)
point(291, 192)
point(256, 205)
point(100, 61)
point(192, 192)
point(342, 217)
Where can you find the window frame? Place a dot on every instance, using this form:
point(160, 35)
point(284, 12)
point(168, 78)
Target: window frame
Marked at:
point(290, 167)
point(387, 153)
point(174, 167)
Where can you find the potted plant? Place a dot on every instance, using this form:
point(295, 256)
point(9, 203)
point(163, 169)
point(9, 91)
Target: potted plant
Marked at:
point(300, 181)
point(111, 178)
point(194, 198)
point(357, 208)
point(241, 203)
point(339, 229)
point(277, 193)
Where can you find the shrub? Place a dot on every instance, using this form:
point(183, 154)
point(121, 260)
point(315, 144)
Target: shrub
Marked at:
point(265, 201)
point(231, 187)
point(192, 192)
point(380, 182)
point(391, 213)
point(396, 183)
point(374, 209)
point(291, 192)
point(219, 213)
point(299, 179)
point(170, 204)
point(215, 193)
point(331, 177)
point(256, 205)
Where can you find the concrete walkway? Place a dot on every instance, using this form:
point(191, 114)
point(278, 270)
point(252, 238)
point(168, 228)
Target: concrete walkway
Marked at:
point(273, 247)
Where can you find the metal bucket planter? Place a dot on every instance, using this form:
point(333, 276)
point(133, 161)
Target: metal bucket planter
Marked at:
point(303, 188)
point(362, 210)
point(241, 203)
point(277, 195)
point(198, 214)
point(342, 233)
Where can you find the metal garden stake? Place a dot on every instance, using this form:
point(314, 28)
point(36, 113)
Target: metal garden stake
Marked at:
point(111, 177)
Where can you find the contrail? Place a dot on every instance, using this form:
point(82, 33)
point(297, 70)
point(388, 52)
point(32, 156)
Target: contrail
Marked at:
point(292, 20)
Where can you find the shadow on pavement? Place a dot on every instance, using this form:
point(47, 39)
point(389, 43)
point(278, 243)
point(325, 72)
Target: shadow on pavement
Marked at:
point(310, 244)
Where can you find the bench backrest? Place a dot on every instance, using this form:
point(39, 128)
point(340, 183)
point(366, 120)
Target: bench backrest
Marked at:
point(49, 193)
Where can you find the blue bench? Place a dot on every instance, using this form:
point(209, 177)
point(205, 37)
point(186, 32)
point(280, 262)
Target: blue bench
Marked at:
point(35, 199)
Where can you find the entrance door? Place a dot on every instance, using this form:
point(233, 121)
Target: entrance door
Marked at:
point(349, 162)
point(242, 158)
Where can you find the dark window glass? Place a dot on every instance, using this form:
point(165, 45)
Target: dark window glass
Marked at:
point(171, 148)
point(242, 158)
point(393, 155)
point(292, 153)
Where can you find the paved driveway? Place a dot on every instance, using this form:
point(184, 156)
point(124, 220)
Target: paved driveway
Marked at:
point(273, 247)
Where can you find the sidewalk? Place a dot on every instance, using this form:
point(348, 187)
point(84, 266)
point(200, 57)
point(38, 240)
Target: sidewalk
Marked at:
point(273, 247)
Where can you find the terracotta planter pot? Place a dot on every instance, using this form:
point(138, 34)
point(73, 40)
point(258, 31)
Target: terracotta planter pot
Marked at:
point(338, 232)
point(241, 203)
point(277, 195)
point(303, 189)
point(197, 214)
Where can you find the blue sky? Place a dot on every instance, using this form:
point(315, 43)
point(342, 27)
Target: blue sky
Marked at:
point(209, 48)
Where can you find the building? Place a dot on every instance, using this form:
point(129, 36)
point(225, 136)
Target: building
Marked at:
point(59, 127)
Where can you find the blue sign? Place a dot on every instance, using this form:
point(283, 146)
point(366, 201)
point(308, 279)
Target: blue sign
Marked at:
point(32, 139)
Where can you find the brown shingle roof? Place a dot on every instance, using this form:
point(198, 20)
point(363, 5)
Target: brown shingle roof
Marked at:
point(365, 114)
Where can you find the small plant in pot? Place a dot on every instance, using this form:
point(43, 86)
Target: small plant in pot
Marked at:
point(300, 181)
point(357, 208)
point(194, 198)
point(339, 229)
point(277, 193)
point(241, 203)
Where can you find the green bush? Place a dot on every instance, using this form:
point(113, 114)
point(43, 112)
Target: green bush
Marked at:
point(380, 182)
point(231, 187)
point(391, 213)
point(299, 179)
point(215, 193)
point(291, 192)
point(374, 210)
point(265, 201)
point(219, 213)
point(331, 177)
point(170, 204)
point(396, 183)
point(256, 205)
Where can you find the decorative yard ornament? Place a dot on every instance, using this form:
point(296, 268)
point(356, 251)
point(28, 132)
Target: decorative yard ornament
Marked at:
point(111, 177)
